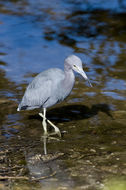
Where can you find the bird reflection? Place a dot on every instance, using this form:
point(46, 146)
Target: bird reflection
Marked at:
point(44, 138)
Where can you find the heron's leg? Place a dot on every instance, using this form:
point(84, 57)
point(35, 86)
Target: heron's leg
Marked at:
point(57, 131)
point(44, 122)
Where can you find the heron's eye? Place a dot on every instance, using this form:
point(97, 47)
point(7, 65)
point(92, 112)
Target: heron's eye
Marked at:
point(74, 65)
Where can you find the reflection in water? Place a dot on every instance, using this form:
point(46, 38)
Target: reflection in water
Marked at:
point(45, 138)
point(45, 167)
point(77, 112)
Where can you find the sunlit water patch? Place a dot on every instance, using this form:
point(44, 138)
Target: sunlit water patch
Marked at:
point(11, 127)
point(114, 95)
point(37, 35)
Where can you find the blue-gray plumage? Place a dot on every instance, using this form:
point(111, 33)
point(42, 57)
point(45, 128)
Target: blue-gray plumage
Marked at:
point(51, 86)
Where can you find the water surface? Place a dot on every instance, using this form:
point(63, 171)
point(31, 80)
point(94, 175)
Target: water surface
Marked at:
point(37, 35)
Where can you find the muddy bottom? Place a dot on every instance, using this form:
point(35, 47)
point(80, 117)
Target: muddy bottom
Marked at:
point(89, 152)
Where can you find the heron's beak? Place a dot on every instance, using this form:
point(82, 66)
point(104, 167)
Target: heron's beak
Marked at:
point(83, 74)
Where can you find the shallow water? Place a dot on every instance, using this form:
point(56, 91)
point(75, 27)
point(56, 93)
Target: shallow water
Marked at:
point(37, 35)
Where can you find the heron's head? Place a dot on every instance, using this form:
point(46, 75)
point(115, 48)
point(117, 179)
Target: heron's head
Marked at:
point(73, 62)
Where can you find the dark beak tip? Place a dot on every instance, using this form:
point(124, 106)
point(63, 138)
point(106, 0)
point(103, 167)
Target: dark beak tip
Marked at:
point(91, 86)
point(90, 83)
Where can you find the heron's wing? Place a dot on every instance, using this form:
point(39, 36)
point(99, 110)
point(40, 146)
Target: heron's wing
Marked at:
point(36, 94)
point(42, 88)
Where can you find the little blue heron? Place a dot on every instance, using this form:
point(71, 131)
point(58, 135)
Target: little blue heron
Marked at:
point(50, 87)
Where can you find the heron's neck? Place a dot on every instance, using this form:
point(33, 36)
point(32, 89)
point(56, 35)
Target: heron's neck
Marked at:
point(69, 78)
point(69, 73)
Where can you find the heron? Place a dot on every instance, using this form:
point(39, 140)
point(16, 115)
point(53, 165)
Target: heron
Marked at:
point(50, 87)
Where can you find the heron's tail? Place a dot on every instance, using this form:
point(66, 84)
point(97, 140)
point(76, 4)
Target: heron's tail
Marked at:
point(18, 109)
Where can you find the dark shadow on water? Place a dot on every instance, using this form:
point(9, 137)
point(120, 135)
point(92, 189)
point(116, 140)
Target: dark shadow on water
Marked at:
point(74, 112)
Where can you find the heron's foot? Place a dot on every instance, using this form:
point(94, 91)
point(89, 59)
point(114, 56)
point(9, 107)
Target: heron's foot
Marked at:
point(56, 132)
point(47, 134)
point(49, 137)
